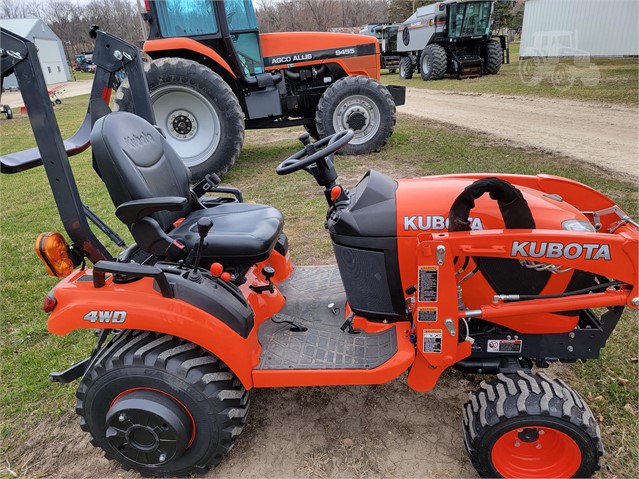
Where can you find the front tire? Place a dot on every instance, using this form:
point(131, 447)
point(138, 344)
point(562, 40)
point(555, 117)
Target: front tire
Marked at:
point(8, 113)
point(196, 110)
point(406, 68)
point(361, 104)
point(494, 58)
point(161, 405)
point(530, 426)
point(433, 62)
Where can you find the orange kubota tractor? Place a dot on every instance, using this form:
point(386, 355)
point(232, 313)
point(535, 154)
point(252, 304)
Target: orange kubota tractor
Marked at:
point(496, 275)
point(213, 75)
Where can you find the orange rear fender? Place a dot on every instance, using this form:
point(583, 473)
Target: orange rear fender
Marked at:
point(138, 306)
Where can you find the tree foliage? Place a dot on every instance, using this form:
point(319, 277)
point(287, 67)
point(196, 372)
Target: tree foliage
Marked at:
point(400, 10)
point(318, 15)
point(71, 20)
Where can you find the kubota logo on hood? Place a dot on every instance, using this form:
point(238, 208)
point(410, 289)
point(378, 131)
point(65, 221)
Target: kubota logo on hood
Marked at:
point(435, 223)
point(534, 249)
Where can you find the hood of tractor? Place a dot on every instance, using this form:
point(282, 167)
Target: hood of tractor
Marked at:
point(423, 205)
point(357, 54)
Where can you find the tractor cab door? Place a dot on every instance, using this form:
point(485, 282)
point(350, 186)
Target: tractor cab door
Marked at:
point(245, 35)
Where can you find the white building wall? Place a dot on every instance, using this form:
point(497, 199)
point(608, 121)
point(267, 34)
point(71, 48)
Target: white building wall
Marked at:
point(580, 27)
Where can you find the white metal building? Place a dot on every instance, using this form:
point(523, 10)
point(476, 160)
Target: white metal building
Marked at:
point(569, 28)
point(50, 49)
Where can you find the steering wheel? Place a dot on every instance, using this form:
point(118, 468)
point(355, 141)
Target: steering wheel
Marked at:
point(309, 154)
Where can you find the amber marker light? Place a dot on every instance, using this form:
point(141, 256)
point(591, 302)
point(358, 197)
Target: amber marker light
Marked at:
point(52, 249)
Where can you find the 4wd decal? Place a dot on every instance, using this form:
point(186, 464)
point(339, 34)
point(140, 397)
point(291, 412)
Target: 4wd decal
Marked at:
point(112, 317)
point(315, 55)
point(533, 249)
point(435, 223)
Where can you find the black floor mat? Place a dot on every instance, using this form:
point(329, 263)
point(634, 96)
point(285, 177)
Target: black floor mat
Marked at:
point(324, 345)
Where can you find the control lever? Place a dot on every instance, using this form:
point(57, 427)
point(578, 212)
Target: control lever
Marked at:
point(268, 272)
point(305, 138)
point(204, 225)
point(348, 325)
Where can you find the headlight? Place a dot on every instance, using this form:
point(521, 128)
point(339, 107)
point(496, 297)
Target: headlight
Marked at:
point(578, 225)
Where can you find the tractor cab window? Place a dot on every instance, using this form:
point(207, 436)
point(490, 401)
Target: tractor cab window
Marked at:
point(469, 19)
point(245, 35)
point(185, 18)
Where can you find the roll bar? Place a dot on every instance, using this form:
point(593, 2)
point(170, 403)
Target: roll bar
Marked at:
point(111, 54)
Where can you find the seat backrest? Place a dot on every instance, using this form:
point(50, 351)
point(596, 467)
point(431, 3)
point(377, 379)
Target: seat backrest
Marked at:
point(136, 162)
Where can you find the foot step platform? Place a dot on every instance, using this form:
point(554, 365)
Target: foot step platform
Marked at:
point(324, 345)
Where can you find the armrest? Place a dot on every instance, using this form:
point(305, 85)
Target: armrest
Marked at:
point(134, 210)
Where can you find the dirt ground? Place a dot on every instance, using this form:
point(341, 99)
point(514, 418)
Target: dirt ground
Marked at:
point(64, 90)
point(606, 136)
point(364, 431)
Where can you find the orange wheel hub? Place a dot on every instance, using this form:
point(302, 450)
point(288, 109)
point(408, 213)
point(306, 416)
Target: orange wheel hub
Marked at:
point(536, 452)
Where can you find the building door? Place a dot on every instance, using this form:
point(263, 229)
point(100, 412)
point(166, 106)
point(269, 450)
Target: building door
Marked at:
point(51, 60)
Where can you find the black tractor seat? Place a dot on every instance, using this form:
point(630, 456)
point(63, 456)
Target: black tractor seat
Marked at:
point(149, 185)
point(241, 232)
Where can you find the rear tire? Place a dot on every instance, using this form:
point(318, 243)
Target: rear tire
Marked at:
point(362, 104)
point(528, 425)
point(433, 62)
point(196, 110)
point(406, 68)
point(8, 113)
point(494, 58)
point(161, 405)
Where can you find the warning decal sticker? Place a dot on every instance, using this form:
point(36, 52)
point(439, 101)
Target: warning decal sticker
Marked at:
point(427, 315)
point(504, 346)
point(428, 276)
point(432, 341)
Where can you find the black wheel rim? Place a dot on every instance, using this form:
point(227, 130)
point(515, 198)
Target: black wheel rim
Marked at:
point(149, 427)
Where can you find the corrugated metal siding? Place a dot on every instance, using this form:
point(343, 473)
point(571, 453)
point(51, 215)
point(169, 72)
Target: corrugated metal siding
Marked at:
point(580, 27)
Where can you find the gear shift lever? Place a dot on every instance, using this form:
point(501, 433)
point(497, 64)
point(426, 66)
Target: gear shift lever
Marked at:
point(204, 225)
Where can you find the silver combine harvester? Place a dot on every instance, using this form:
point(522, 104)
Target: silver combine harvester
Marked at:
point(450, 37)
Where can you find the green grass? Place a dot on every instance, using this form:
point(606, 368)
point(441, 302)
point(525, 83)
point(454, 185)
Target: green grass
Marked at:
point(28, 352)
point(618, 82)
point(82, 75)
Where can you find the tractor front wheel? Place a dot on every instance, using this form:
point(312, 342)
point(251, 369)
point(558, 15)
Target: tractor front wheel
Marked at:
point(433, 62)
point(406, 68)
point(530, 426)
point(161, 405)
point(196, 110)
point(361, 104)
point(494, 58)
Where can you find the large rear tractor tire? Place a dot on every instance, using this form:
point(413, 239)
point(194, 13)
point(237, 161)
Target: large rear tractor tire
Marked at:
point(530, 426)
point(197, 111)
point(161, 405)
point(362, 104)
point(433, 62)
point(406, 68)
point(494, 58)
